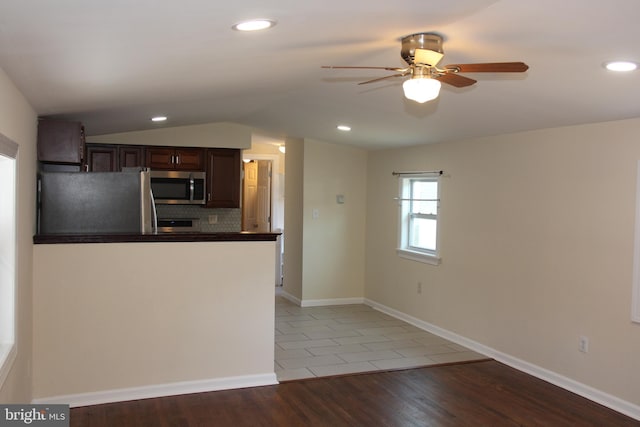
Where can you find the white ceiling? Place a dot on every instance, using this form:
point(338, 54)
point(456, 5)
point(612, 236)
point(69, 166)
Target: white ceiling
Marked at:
point(114, 64)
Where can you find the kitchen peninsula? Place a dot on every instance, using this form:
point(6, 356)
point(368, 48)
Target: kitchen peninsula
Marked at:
point(124, 317)
point(121, 313)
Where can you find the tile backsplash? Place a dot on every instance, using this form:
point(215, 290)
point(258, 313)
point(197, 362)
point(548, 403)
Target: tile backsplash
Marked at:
point(228, 220)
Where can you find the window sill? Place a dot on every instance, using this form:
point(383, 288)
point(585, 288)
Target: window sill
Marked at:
point(7, 356)
point(418, 256)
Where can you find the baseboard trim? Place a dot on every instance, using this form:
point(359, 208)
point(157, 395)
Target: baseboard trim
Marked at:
point(286, 295)
point(334, 301)
point(605, 399)
point(160, 390)
point(318, 302)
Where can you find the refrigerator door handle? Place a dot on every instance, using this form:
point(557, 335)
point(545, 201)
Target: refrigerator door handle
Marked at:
point(154, 217)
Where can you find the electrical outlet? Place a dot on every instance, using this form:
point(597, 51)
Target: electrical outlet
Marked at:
point(583, 344)
point(213, 219)
point(419, 288)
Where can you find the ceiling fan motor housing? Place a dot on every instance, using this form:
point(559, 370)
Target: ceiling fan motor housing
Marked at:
point(410, 43)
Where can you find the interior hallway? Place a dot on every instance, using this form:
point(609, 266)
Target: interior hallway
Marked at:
point(337, 340)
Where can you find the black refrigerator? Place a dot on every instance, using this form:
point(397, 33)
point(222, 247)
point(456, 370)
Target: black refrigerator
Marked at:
point(95, 203)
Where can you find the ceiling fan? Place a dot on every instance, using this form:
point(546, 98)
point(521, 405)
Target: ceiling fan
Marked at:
point(422, 52)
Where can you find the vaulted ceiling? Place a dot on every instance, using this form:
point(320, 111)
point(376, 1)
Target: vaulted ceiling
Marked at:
point(114, 64)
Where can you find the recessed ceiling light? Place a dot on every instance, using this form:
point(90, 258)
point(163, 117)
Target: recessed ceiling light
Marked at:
point(620, 65)
point(158, 119)
point(344, 128)
point(254, 25)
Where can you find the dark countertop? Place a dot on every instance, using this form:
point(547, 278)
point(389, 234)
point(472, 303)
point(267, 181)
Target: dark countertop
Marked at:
point(163, 237)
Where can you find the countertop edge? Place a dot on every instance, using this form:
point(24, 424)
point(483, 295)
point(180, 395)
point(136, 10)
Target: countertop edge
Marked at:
point(151, 238)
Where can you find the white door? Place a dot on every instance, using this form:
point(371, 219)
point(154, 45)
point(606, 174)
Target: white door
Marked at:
point(256, 206)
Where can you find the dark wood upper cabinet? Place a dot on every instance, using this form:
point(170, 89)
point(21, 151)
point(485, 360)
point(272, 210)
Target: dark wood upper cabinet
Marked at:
point(173, 158)
point(131, 156)
point(102, 158)
point(60, 141)
point(160, 157)
point(223, 178)
point(113, 157)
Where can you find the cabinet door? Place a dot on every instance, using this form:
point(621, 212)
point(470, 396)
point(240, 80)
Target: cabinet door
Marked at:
point(60, 141)
point(131, 156)
point(101, 158)
point(172, 158)
point(160, 158)
point(223, 178)
point(189, 159)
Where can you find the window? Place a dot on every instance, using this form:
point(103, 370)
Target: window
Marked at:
point(419, 205)
point(8, 151)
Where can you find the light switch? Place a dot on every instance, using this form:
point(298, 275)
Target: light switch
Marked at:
point(315, 214)
point(340, 199)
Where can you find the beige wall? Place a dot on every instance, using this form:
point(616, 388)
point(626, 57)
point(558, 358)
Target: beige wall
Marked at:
point(537, 247)
point(333, 244)
point(293, 207)
point(119, 316)
point(222, 135)
point(18, 122)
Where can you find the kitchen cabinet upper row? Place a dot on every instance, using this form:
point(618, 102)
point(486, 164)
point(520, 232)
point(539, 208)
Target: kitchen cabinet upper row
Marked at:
point(222, 166)
point(114, 157)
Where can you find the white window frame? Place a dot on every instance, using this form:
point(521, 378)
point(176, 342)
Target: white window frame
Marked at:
point(405, 250)
point(8, 256)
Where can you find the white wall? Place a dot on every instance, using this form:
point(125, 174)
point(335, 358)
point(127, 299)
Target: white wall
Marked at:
point(18, 122)
point(112, 318)
point(221, 135)
point(334, 242)
point(537, 247)
point(293, 208)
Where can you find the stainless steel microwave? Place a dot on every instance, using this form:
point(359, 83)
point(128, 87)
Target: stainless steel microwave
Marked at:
point(178, 187)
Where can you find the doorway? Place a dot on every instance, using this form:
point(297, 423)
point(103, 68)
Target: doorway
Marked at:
point(263, 202)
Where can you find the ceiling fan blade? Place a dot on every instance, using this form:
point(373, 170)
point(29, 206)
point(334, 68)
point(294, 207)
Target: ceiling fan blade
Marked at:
point(365, 68)
point(489, 67)
point(381, 78)
point(455, 80)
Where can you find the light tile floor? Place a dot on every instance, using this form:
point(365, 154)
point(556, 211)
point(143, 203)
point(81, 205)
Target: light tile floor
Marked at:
point(336, 340)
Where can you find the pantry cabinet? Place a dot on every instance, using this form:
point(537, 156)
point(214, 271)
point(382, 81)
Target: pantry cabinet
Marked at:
point(223, 178)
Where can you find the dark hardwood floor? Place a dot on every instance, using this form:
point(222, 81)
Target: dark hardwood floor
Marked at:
point(484, 393)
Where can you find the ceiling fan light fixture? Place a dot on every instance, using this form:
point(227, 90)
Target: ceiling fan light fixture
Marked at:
point(421, 89)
